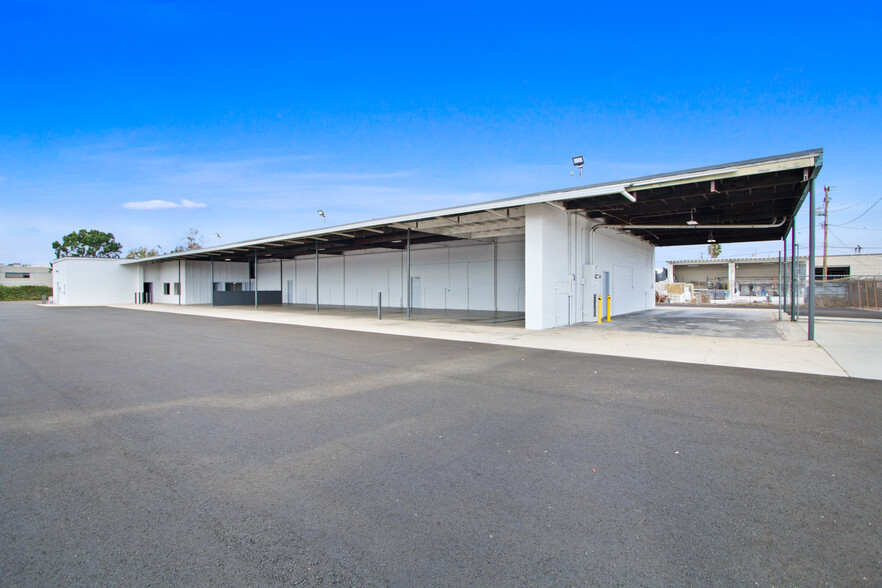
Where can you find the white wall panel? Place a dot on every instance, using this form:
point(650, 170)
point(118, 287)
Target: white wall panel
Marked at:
point(367, 276)
point(331, 280)
point(458, 290)
point(480, 285)
point(510, 289)
point(630, 263)
point(456, 277)
point(197, 282)
point(304, 280)
point(288, 275)
point(83, 281)
point(268, 273)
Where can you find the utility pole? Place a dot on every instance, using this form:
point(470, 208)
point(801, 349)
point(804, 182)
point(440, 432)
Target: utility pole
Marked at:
point(826, 222)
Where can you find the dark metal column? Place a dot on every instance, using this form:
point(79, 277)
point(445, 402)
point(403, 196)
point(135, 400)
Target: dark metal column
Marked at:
point(180, 286)
point(316, 278)
point(780, 287)
point(793, 282)
point(810, 271)
point(408, 274)
point(212, 280)
point(785, 283)
point(281, 281)
point(255, 279)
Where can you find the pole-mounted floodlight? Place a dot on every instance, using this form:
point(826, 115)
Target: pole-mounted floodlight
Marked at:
point(579, 161)
point(321, 213)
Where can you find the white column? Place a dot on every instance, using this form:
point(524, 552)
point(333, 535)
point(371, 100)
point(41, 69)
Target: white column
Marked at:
point(546, 270)
point(731, 282)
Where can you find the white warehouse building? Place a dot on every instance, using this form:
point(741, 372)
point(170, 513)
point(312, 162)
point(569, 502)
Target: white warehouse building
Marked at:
point(559, 257)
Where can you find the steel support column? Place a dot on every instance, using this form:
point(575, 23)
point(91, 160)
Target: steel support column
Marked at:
point(810, 271)
point(180, 285)
point(793, 281)
point(408, 274)
point(255, 279)
point(212, 280)
point(316, 278)
point(780, 288)
point(785, 284)
point(281, 281)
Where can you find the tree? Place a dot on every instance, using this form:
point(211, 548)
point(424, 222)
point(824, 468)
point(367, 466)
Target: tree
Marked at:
point(192, 240)
point(714, 250)
point(85, 243)
point(141, 253)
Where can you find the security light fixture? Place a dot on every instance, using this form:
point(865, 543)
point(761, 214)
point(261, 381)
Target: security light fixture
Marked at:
point(579, 161)
point(321, 213)
point(691, 221)
point(710, 237)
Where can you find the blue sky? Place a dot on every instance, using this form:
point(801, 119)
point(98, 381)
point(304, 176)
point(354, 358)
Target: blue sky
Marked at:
point(245, 118)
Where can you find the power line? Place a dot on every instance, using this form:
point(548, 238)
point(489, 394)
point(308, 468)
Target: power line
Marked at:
point(856, 228)
point(862, 214)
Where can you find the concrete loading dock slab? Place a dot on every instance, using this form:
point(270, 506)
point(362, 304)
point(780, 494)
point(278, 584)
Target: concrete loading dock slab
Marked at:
point(789, 352)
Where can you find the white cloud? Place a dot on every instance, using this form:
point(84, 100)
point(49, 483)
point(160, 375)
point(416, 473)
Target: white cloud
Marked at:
point(160, 204)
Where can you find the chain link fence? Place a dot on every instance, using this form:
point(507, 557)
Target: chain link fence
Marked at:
point(853, 296)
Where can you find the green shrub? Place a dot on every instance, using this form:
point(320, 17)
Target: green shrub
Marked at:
point(24, 292)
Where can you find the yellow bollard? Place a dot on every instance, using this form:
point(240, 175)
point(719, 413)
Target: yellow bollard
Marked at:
point(599, 309)
point(608, 308)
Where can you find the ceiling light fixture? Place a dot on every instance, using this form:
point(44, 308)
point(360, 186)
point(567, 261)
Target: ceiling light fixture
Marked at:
point(710, 237)
point(692, 222)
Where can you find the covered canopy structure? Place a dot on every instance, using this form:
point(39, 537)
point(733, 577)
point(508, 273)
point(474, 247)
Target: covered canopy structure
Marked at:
point(566, 263)
point(752, 200)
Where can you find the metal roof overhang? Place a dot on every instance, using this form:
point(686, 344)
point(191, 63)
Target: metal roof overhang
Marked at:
point(749, 201)
point(767, 191)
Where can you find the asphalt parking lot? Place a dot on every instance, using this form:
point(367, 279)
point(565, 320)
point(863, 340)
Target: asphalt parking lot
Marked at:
point(146, 448)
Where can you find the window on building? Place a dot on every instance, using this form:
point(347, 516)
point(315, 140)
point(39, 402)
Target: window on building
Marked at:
point(166, 288)
point(843, 271)
point(177, 288)
point(17, 275)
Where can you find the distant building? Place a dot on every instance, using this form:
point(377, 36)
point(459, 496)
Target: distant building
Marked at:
point(17, 274)
point(725, 281)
